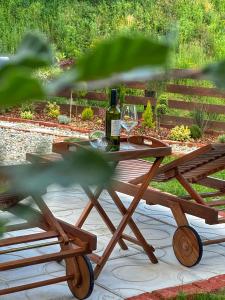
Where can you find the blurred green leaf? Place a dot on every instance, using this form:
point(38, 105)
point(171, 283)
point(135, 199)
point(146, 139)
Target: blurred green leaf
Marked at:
point(34, 52)
point(120, 55)
point(17, 86)
point(17, 83)
point(124, 57)
point(85, 167)
point(216, 73)
point(65, 81)
point(113, 61)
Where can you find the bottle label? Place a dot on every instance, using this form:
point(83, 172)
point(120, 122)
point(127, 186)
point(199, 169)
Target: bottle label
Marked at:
point(115, 127)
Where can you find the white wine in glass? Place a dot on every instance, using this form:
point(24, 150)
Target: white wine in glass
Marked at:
point(129, 118)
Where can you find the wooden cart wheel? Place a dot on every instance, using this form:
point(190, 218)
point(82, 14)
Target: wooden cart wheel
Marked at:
point(187, 246)
point(86, 284)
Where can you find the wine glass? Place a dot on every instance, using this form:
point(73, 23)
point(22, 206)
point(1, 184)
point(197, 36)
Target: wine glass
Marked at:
point(97, 140)
point(129, 119)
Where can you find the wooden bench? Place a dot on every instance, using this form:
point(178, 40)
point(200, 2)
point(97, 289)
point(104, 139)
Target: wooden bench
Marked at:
point(74, 243)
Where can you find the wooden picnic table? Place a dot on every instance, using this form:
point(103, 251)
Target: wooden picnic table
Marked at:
point(139, 147)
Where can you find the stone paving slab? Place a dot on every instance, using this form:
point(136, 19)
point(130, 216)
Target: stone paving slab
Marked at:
point(127, 273)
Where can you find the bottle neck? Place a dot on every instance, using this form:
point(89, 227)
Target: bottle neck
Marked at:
point(113, 98)
point(113, 103)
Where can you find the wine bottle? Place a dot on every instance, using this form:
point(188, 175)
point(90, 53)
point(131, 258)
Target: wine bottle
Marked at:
point(112, 123)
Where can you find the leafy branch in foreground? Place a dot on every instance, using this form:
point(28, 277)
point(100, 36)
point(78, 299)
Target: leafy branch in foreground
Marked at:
point(85, 167)
point(17, 83)
point(33, 52)
point(216, 73)
point(119, 59)
point(113, 61)
point(123, 54)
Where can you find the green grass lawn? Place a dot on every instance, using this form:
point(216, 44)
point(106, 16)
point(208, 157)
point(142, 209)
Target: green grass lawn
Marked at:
point(217, 296)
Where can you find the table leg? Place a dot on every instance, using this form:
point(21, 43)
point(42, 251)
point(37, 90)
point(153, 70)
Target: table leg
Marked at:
point(94, 203)
point(148, 248)
point(126, 218)
point(88, 208)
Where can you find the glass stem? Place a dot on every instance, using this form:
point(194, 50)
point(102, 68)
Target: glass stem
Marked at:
point(128, 136)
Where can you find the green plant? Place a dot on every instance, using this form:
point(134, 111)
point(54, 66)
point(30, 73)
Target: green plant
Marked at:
point(163, 99)
point(161, 109)
point(52, 109)
point(87, 114)
point(201, 31)
point(200, 118)
point(221, 138)
point(63, 119)
point(27, 114)
point(48, 73)
point(148, 116)
point(215, 296)
point(196, 132)
point(28, 106)
point(180, 133)
point(4, 110)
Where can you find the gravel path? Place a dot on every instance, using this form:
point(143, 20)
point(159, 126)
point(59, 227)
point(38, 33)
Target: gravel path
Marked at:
point(41, 129)
point(15, 143)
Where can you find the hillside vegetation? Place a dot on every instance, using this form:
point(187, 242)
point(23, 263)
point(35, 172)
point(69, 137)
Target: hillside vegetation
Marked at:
point(75, 25)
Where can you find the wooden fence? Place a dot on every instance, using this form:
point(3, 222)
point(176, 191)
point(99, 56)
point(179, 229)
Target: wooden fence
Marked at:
point(178, 89)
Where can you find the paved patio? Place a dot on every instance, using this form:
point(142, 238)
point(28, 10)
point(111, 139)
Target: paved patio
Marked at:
point(127, 273)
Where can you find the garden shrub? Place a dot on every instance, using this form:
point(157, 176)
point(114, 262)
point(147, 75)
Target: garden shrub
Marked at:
point(180, 133)
point(87, 114)
point(52, 109)
point(63, 119)
point(4, 110)
point(196, 132)
point(221, 138)
point(163, 99)
point(148, 116)
point(200, 117)
point(27, 114)
point(161, 109)
point(28, 106)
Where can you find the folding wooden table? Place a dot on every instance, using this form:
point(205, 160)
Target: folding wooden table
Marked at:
point(139, 147)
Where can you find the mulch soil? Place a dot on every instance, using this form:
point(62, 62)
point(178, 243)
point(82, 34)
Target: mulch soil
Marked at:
point(98, 124)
